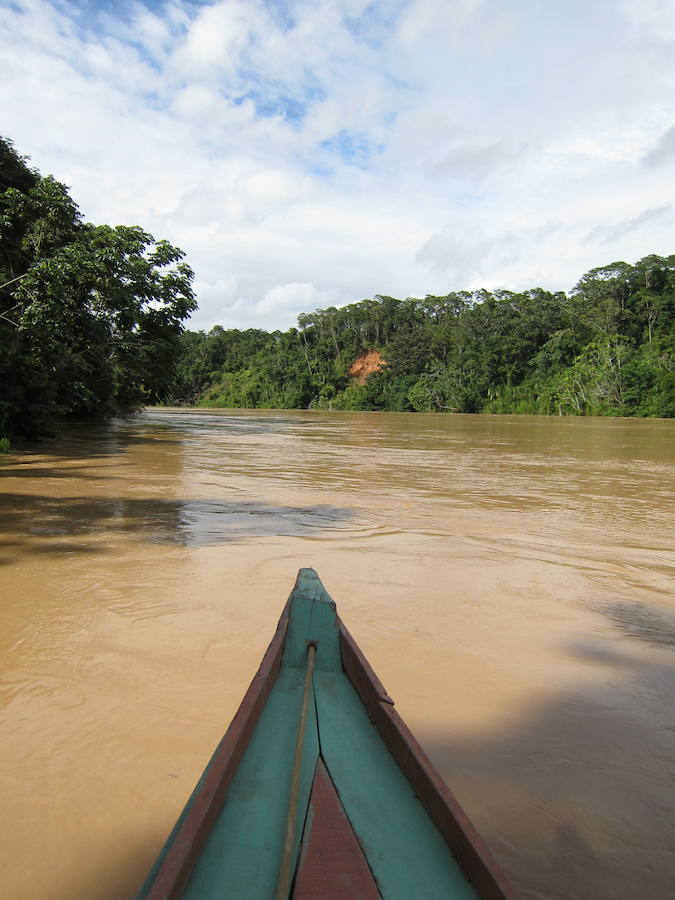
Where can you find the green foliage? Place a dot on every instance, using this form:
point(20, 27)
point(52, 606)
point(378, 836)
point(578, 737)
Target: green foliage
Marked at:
point(5, 446)
point(91, 325)
point(604, 349)
point(594, 383)
point(90, 316)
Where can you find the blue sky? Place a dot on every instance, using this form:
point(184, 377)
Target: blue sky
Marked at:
point(309, 153)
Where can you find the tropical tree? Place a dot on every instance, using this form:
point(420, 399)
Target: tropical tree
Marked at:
point(90, 316)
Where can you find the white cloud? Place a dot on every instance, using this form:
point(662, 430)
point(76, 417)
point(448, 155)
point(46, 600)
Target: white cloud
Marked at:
point(219, 36)
point(656, 15)
point(427, 20)
point(292, 297)
point(610, 234)
point(310, 153)
point(663, 151)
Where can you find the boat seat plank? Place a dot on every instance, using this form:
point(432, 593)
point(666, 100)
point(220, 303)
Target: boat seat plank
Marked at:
point(242, 855)
point(405, 851)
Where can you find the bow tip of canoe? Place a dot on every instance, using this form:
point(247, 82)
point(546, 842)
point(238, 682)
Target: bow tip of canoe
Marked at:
point(309, 584)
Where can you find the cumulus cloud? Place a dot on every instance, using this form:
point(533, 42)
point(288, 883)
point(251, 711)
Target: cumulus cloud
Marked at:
point(290, 298)
point(610, 234)
point(466, 256)
point(474, 162)
point(309, 153)
point(658, 16)
point(472, 255)
point(663, 150)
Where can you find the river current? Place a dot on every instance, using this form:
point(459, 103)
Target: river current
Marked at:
point(509, 578)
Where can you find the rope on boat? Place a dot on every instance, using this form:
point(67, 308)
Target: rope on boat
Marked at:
point(285, 874)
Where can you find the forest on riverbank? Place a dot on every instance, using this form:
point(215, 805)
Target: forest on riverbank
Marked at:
point(604, 348)
point(92, 325)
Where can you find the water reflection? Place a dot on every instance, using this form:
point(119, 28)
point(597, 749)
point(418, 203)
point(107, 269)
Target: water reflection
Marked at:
point(647, 623)
point(190, 523)
point(219, 422)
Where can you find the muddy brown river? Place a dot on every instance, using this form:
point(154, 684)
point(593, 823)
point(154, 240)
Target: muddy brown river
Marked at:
point(509, 578)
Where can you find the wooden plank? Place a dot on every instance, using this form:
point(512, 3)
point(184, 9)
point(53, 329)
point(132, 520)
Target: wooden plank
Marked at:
point(312, 618)
point(332, 865)
point(447, 814)
point(313, 612)
point(174, 864)
point(242, 855)
point(405, 851)
point(368, 686)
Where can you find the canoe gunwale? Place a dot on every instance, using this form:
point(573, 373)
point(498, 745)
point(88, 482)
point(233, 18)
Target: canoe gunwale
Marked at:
point(206, 805)
point(183, 849)
point(467, 846)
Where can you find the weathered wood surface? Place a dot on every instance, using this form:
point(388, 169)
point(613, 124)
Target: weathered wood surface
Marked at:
point(243, 853)
point(371, 804)
point(407, 854)
point(181, 851)
point(466, 844)
point(332, 865)
point(313, 619)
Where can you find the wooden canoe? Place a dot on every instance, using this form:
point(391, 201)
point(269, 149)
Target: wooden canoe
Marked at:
point(319, 790)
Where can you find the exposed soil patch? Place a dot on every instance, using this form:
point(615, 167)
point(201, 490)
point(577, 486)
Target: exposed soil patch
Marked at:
point(366, 364)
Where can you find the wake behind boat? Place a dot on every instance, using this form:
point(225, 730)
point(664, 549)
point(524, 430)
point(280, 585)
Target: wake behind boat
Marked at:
point(319, 790)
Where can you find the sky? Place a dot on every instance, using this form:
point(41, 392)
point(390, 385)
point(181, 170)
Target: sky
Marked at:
point(311, 153)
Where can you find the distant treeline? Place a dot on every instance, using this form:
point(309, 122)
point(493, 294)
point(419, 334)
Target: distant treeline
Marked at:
point(91, 325)
point(606, 348)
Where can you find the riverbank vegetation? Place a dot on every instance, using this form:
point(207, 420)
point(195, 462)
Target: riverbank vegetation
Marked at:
point(91, 325)
point(605, 348)
point(90, 315)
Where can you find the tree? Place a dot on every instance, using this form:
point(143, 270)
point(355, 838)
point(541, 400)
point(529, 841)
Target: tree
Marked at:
point(90, 316)
point(607, 348)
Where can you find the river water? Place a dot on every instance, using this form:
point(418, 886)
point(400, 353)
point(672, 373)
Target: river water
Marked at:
point(509, 578)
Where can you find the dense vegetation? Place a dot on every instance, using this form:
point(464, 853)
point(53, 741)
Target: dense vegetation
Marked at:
point(606, 348)
point(90, 316)
point(91, 324)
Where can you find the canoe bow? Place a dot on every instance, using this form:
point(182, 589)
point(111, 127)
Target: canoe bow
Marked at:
point(319, 789)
